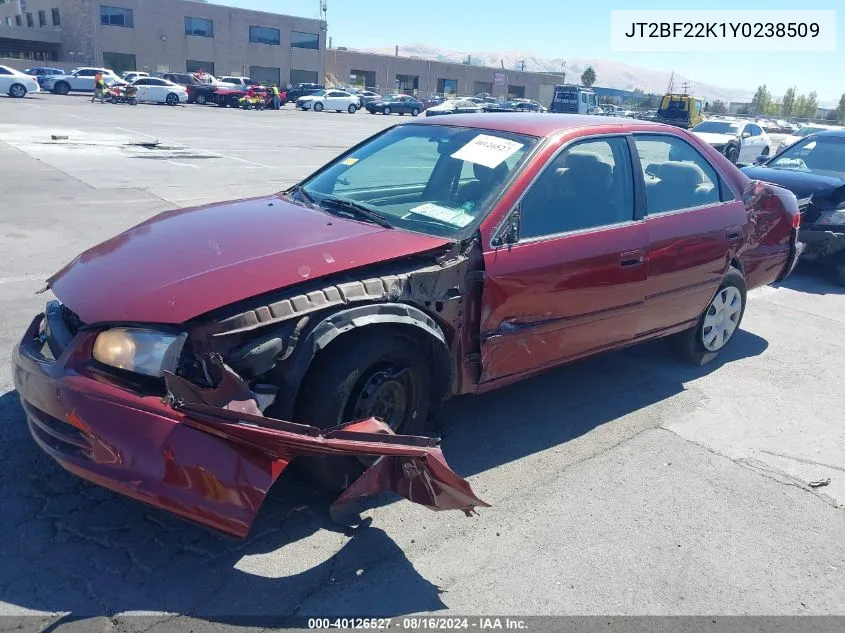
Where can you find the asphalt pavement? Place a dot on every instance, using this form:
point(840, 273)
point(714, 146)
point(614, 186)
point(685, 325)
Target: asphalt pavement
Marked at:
point(626, 484)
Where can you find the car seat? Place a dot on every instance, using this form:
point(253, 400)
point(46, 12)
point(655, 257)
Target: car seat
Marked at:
point(486, 180)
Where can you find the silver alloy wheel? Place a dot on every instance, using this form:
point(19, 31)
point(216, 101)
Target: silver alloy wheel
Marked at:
point(721, 319)
point(17, 91)
point(172, 100)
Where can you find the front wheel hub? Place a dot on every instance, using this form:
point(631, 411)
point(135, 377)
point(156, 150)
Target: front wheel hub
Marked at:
point(385, 394)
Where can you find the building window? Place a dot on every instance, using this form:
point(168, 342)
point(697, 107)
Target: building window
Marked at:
point(196, 66)
point(29, 21)
point(18, 21)
point(116, 16)
point(8, 22)
point(199, 27)
point(303, 76)
point(447, 86)
point(56, 18)
point(298, 39)
point(42, 19)
point(265, 35)
point(265, 75)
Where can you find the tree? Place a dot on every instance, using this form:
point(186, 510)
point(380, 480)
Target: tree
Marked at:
point(761, 100)
point(588, 77)
point(788, 103)
point(718, 107)
point(800, 107)
point(840, 111)
point(812, 105)
point(773, 109)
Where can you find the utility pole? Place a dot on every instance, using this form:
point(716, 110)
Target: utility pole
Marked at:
point(671, 83)
point(685, 86)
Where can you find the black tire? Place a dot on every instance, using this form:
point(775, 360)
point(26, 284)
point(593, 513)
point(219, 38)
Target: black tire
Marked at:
point(18, 91)
point(839, 272)
point(133, 101)
point(351, 109)
point(386, 110)
point(172, 99)
point(689, 345)
point(318, 107)
point(201, 99)
point(732, 154)
point(765, 151)
point(359, 375)
point(61, 88)
point(415, 112)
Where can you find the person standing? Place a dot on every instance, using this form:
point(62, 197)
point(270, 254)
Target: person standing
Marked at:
point(277, 101)
point(99, 88)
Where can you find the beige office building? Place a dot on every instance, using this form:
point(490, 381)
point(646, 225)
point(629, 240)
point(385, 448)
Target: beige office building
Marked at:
point(163, 35)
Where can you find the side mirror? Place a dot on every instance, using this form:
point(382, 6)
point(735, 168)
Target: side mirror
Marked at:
point(746, 135)
point(510, 234)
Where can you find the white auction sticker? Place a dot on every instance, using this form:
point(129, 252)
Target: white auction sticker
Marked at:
point(455, 217)
point(488, 151)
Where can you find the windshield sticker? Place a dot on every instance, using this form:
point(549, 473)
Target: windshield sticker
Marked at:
point(349, 161)
point(487, 151)
point(455, 217)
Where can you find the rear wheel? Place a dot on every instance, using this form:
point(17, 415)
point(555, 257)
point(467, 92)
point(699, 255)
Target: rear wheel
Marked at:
point(61, 88)
point(351, 109)
point(133, 101)
point(364, 374)
point(840, 272)
point(18, 91)
point(318, 107)
point(717, 324)
point(201, 99)
point(172, 99)
point(415, 112)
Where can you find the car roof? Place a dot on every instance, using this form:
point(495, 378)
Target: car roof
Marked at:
point(544, 124)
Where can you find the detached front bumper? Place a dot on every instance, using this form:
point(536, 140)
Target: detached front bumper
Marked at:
point(208, 464)
point(823, 242)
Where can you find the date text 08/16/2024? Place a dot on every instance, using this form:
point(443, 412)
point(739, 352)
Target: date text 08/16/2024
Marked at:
point(419, 623)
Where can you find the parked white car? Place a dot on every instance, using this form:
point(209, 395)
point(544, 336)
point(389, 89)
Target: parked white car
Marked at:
point(337, 100)
point(236, 81)
point(739, 141)
point(17, 84)
point(78, 80)
point(155, 90)
point(133, 75)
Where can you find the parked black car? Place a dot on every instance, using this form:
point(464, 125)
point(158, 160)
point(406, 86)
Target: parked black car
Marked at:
point(396, 104)
point(814, 170)
point(303, 90)
point(198, 92)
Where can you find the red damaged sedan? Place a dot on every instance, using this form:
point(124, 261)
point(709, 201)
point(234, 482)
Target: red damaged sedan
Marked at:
point(190, 359)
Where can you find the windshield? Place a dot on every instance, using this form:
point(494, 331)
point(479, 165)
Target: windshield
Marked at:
point(804, 131)
point(433, 179)
point(822, 155)
point(717, 127)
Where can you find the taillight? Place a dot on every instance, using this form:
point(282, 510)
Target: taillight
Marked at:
point(796, 220)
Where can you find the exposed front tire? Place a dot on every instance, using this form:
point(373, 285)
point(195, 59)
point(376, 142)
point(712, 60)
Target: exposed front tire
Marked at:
point(18, 91)
point(376, 373)
point(732, 154)
point(718, 323)
point(318, 107)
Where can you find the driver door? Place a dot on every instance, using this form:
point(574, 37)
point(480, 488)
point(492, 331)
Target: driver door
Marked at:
point(83, 80)
point(143, 89)
point(574, 281)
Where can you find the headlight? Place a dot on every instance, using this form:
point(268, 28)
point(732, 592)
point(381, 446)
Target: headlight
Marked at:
point(833, 218)
point(141, 351)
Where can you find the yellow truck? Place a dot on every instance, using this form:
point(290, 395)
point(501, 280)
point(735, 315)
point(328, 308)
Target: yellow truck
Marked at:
point(680, 110)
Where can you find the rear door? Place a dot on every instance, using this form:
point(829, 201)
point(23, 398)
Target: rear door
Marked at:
point(83, 80)
point(574, 282)
point(157, 90)
point(143, 86)
point(694, 225)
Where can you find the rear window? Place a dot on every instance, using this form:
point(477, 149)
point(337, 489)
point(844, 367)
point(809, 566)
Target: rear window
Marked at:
point(566, 94)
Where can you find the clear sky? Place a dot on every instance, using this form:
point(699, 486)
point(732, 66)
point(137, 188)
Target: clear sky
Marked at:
point(569, 29)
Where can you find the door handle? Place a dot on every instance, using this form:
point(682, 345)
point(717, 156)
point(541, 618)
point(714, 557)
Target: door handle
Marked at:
point(733, 232)
point(631, 259)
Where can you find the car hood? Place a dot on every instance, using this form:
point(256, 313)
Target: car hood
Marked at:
point(800, 183)
point(712, 138)
point(184, 263)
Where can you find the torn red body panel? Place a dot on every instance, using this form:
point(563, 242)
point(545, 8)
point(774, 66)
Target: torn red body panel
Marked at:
point(209, 465)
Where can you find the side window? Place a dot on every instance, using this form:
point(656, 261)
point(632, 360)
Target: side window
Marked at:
point(756, 131)
point(676, 175)
point(86, 73)
point(143, 82)
point(587, 185)
point(3, 71)
point(583, 97)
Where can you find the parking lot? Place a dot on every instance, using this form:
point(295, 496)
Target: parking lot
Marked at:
point(626, 484)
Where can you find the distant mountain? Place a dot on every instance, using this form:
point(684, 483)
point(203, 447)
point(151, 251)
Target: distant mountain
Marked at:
point(609, 74)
